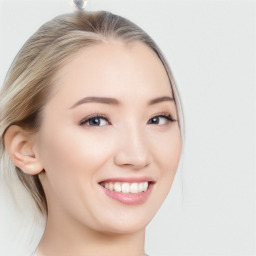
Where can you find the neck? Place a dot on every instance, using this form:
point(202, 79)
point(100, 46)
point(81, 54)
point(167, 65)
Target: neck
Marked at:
point(66, 238)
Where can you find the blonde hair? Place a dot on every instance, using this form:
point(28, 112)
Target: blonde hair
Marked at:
point(30, 78)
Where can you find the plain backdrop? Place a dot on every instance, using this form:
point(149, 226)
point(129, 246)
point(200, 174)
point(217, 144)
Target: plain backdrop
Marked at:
point(210, 46)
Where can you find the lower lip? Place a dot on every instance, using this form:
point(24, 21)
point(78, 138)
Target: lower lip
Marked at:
point(129, 198)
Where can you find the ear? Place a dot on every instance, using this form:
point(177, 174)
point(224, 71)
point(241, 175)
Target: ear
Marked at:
point(20, 146)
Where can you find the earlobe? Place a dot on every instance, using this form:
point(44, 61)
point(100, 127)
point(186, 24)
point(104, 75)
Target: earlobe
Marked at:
point(20, 147)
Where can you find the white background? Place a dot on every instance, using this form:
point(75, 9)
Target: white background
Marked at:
point(210, 46)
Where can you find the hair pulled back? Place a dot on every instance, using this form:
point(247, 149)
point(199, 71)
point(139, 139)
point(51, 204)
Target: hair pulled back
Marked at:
point(31, 75)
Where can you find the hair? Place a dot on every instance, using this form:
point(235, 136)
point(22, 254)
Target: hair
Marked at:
point(31, 76)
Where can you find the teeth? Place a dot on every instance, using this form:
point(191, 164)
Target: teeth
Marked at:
point(111, 186)
point(134, 188)
point(126, 187)
point(117, 187)
point(141, 187)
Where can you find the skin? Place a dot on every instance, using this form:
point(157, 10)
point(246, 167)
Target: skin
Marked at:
point(82, 220)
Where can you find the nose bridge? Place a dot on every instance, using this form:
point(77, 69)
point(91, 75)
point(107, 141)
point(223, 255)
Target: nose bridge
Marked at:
point(133, 149)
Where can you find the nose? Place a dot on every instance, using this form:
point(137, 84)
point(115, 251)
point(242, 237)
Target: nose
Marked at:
point(133, 150)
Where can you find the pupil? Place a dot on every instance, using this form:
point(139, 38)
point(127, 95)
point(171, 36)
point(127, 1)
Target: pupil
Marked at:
point(155, 120)
point(94, 121)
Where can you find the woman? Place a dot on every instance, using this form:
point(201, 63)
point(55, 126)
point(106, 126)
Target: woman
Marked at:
point(91, 121)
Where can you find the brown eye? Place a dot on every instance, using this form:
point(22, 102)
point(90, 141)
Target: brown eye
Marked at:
point(154, 120)
point(161, 120)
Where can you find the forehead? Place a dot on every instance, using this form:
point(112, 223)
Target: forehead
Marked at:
point(113, 69)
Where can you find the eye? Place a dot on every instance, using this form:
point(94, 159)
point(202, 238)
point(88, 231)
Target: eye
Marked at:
point(95, 121)
point(161, 119)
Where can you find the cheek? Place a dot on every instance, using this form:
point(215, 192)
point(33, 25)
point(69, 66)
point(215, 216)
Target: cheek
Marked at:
point(72, 149)
point(71, 159)
point(167, 151)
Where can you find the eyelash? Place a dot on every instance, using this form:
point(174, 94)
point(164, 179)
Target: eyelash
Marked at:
point(168, 117)
point(86, 120)
point(96, 116)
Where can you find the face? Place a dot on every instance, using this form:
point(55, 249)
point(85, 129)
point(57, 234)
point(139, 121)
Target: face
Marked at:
point(109, 141)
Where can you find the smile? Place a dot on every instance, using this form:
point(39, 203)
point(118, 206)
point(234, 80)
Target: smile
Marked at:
point(125, 187)
point(130, 192)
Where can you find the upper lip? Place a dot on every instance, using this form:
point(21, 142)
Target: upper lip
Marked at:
point(129, 179)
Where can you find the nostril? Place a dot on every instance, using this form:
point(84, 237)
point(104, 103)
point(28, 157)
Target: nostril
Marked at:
point(131, 160)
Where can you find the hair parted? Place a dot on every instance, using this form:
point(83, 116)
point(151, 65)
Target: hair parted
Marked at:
point(30, 78)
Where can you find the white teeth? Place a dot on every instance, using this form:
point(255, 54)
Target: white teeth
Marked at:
point(145, 186)
point(126, 187)
point(141, 187)
point(134, 188)
point(111, 186)
point(117, 187)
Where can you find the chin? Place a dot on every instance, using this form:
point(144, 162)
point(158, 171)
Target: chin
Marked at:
point(125, 228)
point(127, 221)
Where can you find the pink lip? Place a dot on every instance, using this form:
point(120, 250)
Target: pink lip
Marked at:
point(129, 198)
point(130, 179)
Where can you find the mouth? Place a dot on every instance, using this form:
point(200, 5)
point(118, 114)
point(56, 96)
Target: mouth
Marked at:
point(130, 192)
point(125, 187)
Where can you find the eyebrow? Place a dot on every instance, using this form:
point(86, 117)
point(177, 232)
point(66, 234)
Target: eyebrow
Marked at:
point(112, 101)
point(103, 100)
point(161, 99)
